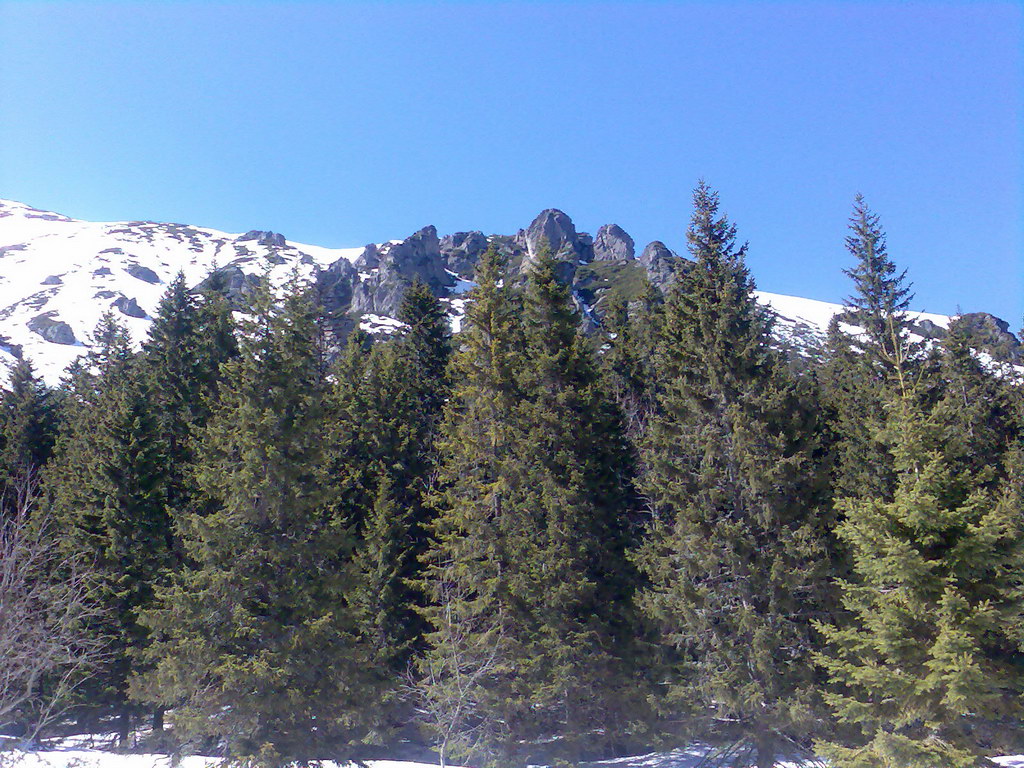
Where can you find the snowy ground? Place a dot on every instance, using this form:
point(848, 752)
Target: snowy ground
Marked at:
point(79, 758)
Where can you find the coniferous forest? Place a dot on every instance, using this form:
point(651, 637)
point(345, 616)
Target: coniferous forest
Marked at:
point(522, 544)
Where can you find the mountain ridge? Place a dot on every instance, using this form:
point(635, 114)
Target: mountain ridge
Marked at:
point(58, 275)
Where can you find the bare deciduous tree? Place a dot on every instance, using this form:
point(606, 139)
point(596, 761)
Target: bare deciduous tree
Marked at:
point(45, 605)
point(453, 679)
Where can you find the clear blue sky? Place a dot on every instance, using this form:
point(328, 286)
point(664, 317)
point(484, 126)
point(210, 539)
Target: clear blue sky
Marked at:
point(344, 123)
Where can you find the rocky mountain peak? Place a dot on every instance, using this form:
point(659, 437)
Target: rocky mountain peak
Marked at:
point(556, 228)
point(659, 262)
point(613, 244)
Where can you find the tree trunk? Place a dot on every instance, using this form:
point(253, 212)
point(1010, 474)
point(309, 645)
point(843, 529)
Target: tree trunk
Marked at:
point(124, 729)
point(765, 750)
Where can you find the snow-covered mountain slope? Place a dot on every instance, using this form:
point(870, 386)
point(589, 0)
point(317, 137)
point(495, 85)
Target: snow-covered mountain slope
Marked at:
point(59, 275)
point(806, 321)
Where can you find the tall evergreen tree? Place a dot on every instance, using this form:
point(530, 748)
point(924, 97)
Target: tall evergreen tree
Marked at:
point(926, 663)
point(386, 409)
point(527, 571)
point(628, 354)
point(736, 552)
point(255, 648)
point(976, 410)
point(181, 364)
point(106, 487)
point(27, 430)
point(859, 368)
point(881, 293)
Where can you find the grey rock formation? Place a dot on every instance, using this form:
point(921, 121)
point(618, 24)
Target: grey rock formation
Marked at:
point(660, 263)
point(129, 307)
point(51, 329)
point(556, 228)
point(336, 286)
point(926, 329)
point(613, 244)
point(418, 256)
point(237, 286)
point(369, 259)
point(52, 280)
point(462, 251)
point(992, 335)
point(142, 273)
point(263, 237)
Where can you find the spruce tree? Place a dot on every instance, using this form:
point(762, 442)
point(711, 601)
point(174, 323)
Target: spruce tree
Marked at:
point(28, 423)
point(736, 552)
point(107, 488)
point(255, 648)
point(975, 406)
point(527, 574)
point(881, 294)
point(387, 406)
point(924, 663)
point(627, 357)
point(859, 367)
point(468, 651)
point(181, 364)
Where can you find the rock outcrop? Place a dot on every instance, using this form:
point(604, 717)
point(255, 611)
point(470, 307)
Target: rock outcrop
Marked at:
point(660, 263)
point(991, 334)
point(613, 244)
point(129, 307)
point(262, 237)
point(237, 286)
point(418, 256)
point(140, 272)
point(56, 331)
point(462, 251)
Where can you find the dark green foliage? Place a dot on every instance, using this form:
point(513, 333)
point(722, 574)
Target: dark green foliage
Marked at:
point(859, 369)
point(529, 584)
point(927, 661)
point(255, 649)
point(467, 647)
point(881, 295)
point(107, 491)
point(425, 348)
point(386, 405)
point(28, 423)
point(627, 357)
point(737, 552)
point(976, 410)
point(188, 341)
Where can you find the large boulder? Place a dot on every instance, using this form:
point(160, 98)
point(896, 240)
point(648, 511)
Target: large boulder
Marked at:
point(129, 307)
point(53, 330)
point(613, 244)
point(145, 274)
